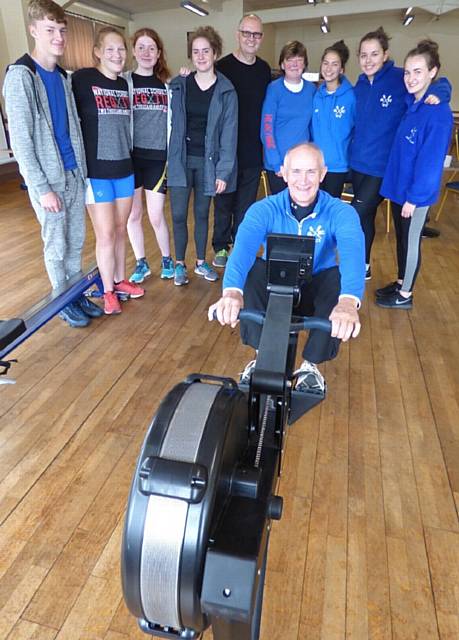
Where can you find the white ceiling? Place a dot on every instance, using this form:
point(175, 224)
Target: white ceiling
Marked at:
point(275, 10)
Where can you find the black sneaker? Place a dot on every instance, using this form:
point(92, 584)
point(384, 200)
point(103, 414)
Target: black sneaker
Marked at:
point(74, 316)
point(388, 290)
point(368, 273)
point(89, 308)
point(395, 301)
point(429, 232)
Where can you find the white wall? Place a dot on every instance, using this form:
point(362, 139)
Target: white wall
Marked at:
point(444, 31)
point(267, 50)
point(173, 25)
point(13, 34)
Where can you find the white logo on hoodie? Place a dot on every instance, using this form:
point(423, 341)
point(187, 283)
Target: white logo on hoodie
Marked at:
point(385, 100)
point(412, 137)
point(339, 111)
point(318, 233)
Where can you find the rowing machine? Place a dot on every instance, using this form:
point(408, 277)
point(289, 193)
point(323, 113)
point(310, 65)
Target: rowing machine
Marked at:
point(204, 489)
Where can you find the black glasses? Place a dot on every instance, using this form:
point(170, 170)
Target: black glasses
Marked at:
point(249, 35)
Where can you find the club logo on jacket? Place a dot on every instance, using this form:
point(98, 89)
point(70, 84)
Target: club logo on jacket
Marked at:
point(385, 100)
point(317, 233)
point(339, 111)
point(412, 137)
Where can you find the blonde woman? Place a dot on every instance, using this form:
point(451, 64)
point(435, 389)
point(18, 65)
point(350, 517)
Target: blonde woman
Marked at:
point(103, 105)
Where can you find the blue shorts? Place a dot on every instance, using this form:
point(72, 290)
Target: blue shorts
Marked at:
point(98, 190)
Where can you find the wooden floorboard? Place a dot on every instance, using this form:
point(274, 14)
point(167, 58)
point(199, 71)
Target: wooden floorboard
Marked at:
point(368, 546)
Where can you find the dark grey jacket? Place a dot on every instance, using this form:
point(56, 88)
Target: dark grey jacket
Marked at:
point(31, 128)
point(221, 137)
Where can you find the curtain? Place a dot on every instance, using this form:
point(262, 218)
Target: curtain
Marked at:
point(78, 52)
point(81, 32)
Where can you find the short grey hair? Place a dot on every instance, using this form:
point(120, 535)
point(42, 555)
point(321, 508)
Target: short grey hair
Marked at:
point(306, 145)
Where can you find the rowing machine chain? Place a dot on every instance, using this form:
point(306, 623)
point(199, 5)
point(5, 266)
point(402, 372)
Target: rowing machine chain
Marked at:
point(262, 432)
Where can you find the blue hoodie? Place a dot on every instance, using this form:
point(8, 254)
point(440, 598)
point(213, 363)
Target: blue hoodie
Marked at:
point(332, 124)
point(380, 107)
point(334, 224)
point(415, 165)
point(285, 120)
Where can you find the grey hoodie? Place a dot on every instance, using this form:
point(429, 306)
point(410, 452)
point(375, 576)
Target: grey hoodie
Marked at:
point(31, 129)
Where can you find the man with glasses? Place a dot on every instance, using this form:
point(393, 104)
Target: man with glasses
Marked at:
point(250, 76)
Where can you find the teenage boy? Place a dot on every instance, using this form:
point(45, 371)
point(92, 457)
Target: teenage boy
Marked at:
point(47, 143)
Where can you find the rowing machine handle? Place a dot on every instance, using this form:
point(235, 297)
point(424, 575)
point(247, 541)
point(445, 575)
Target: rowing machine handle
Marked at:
point(302, 323)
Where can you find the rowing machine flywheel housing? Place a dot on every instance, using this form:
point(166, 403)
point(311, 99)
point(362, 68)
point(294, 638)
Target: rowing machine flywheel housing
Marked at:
point(179, 490)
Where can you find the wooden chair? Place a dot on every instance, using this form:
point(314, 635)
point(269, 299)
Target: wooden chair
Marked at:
point(264, 180)
point(455, 142)
point(450, 187)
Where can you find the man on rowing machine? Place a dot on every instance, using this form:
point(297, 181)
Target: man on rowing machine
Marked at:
point(338, 280)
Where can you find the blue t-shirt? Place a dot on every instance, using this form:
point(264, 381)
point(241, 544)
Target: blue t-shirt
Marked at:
point(58, 107)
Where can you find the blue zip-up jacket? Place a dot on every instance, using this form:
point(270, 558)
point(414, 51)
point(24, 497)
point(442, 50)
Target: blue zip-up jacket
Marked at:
point(415, 165)
point(379, 108)
point(285, 120)
point(333, 118)
point(334, 224)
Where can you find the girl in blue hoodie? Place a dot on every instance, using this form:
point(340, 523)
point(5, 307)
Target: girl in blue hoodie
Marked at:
point(413, 174)
point(380, 104)
point(287, 111)
point(333, 117)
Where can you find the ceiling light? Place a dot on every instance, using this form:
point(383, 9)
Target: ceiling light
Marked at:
point(409, 10)
point(324, 26)
point(310, 1)
point(408, 20)
point(194, 8)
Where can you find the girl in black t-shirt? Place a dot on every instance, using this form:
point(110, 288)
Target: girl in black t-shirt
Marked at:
point(103, 105)
point(149, 102)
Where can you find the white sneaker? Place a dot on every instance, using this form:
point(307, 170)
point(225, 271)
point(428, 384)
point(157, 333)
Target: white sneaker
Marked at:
point(309, 378)
point(244, 376)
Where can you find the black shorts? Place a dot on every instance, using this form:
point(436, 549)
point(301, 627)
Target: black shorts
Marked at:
point(150, 174)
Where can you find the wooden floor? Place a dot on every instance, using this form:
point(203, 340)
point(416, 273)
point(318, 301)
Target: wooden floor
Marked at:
point(368, 546)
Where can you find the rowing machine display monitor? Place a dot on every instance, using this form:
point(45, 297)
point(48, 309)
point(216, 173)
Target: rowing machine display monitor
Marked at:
point(203, 495)
point(289, 263)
